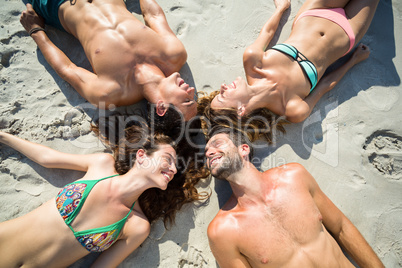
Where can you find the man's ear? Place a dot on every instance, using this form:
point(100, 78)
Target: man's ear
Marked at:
point(161, 108)
point(140, 156)
point(244, 150)
point(241, 110)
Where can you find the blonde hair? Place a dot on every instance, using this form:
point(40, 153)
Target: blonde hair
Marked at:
point(260, 123)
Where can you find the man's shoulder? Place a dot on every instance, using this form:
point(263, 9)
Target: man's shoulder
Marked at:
point(287, 169)
point(291, 173)
point(221, 227)
point(224, 222)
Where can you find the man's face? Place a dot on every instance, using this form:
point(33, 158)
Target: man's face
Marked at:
point(223, 158)
point(175, 91)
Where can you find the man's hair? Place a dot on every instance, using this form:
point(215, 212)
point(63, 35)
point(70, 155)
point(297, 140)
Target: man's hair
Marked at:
point(237, 136)
point(172, 123)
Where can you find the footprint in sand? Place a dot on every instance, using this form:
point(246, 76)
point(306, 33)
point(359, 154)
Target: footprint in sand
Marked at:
point(175, 8)
point(181, 29)
point(384, 152)
point(6, 56)
point(191, 257)
point(207, 88)
point(391, 248)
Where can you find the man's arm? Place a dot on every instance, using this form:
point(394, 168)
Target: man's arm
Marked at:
point(298, 110)
point(85, 82)
point(155, 18)
point(341, 228)
point(222, 242)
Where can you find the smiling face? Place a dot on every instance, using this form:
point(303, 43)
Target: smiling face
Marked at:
point(175, 91)
point(232, 95)
point(161, 165)
point(223, 158)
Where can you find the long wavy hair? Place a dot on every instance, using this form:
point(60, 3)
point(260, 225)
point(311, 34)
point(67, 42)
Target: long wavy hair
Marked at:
point(154, 202)
point(260, 123)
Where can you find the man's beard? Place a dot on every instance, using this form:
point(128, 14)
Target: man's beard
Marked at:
point(230, 165)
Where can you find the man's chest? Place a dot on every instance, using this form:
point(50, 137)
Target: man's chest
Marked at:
point(273, 233)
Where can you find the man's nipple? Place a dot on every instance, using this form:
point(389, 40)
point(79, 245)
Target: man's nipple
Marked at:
point(264, 260)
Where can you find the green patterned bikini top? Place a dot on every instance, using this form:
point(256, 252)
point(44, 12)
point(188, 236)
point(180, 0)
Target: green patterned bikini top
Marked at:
point(69, 202)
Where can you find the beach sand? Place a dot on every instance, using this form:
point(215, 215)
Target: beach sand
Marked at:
point(351, 143)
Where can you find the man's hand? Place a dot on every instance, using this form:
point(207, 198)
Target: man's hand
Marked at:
point(30, 19)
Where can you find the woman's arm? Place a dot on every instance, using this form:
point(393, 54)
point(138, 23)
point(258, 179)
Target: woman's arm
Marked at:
point(50, 158)
point(298, 110)
point(135, 231)
point(270, 27)
point(253, 54)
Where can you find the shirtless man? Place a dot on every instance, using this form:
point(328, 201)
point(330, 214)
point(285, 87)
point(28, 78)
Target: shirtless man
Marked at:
point(288, 79)
point(131, 61)
point(276, 218)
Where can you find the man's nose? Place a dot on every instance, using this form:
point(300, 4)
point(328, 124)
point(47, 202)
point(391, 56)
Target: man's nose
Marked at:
point(210, 152)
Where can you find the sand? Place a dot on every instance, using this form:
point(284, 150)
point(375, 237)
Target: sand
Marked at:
point(351, 143)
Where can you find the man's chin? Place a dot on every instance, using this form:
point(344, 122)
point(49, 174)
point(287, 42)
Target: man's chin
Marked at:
point(220, 174)
point(214, 171)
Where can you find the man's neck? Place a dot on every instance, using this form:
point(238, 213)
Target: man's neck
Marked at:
point(246, 182)
point(149, 78)
point(151, 92)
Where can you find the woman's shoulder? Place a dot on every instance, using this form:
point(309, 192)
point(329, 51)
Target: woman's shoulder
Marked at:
point(137, 222)
point(101, 159)
point(100, 165)
point(104, 158)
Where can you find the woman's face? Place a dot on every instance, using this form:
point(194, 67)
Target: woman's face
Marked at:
point(161, 165)
point(232, 95)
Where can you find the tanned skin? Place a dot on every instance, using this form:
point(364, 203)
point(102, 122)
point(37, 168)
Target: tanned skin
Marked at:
point(275, 81)
point(131, 61)
point(278, 218)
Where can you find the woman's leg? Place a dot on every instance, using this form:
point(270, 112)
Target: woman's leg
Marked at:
point(360, 14)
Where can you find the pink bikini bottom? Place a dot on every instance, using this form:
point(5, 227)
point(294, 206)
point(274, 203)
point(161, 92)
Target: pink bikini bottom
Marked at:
point(336, 15)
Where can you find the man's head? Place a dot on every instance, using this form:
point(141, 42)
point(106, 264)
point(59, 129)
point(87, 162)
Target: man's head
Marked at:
point(174, 91)
point(172, 122)
point(227, 151)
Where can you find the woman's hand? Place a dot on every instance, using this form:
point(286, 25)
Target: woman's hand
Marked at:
point(1, 136)
point(30, 19)
point(282, 4)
